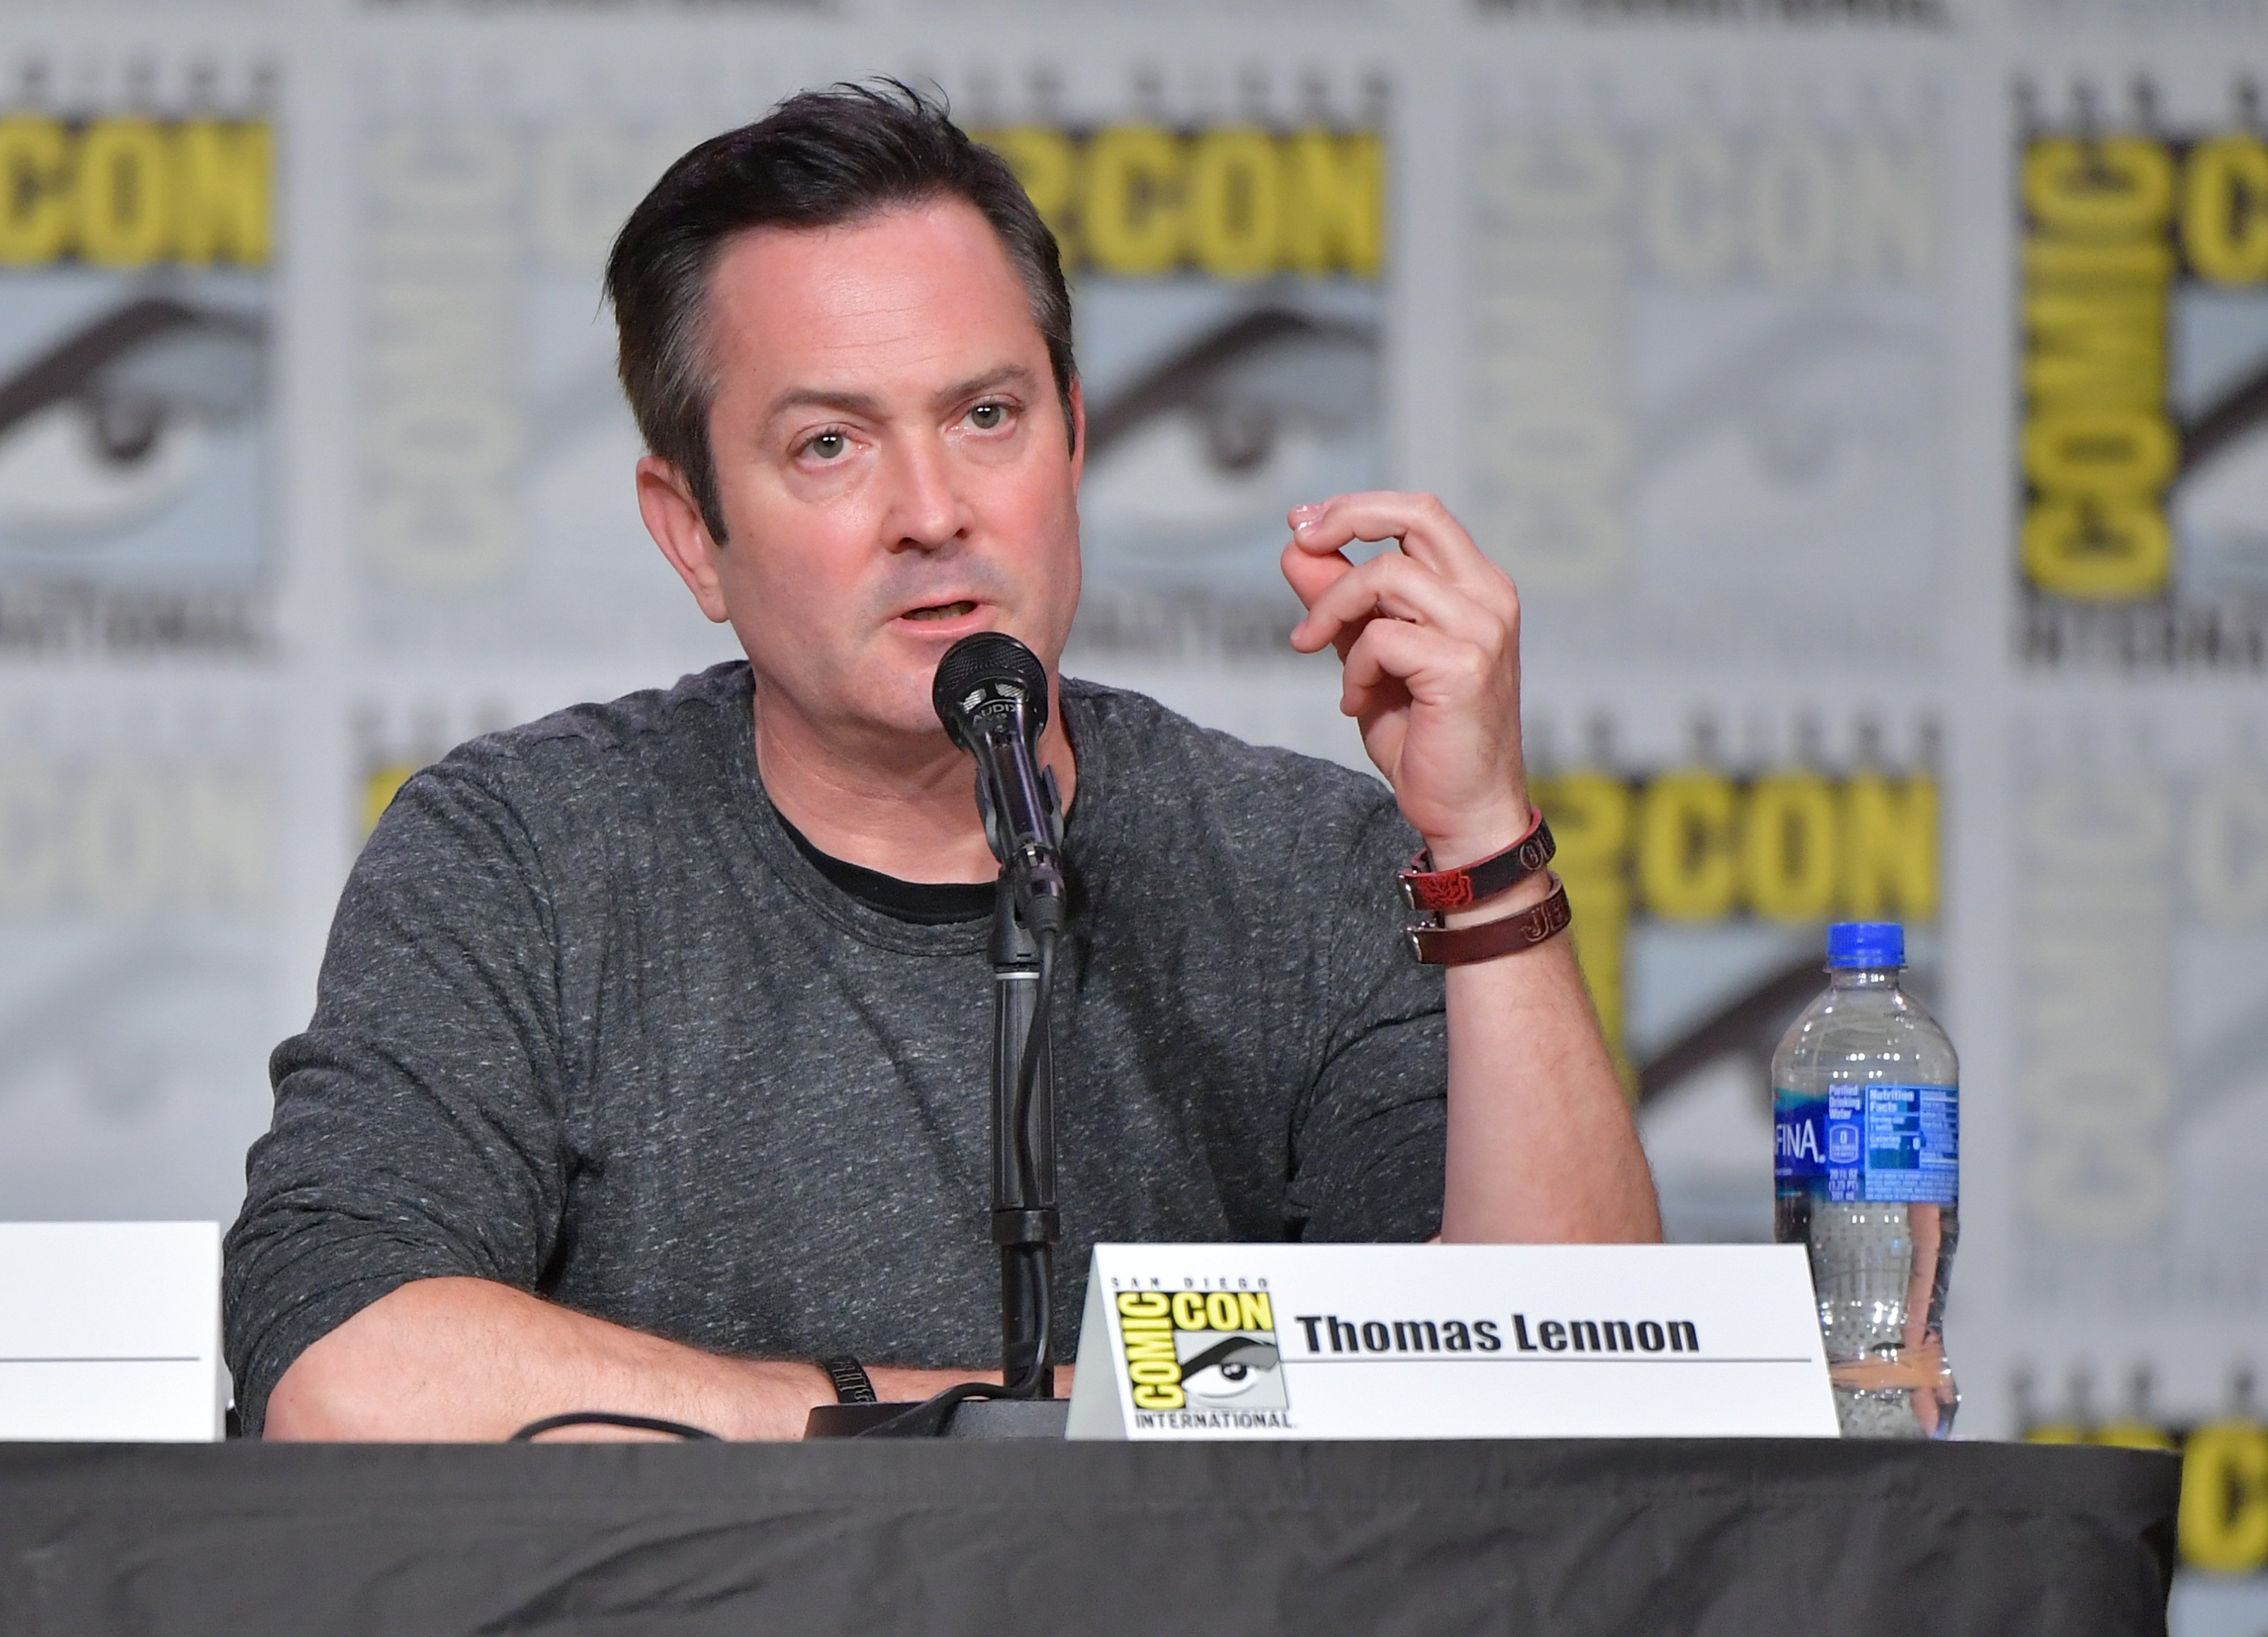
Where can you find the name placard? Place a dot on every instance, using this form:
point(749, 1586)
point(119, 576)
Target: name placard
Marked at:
point(1450, 1341)
point(110, 1330)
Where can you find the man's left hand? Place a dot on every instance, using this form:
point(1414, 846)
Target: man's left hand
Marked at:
point(1429, 638)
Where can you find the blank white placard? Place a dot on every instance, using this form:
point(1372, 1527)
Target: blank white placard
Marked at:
point(110, 1332)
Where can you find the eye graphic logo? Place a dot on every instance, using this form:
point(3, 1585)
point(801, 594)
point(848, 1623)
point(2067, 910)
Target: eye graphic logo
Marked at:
point(115, 421)
point(1201, 1349)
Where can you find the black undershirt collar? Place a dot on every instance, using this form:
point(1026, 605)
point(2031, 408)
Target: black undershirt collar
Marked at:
point(924, 903)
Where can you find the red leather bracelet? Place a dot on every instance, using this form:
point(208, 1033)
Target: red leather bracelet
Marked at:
point(1460, 946)
point(1431, 891)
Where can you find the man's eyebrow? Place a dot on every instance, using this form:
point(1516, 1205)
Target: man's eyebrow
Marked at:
point(819, 398)
point(1006, 374)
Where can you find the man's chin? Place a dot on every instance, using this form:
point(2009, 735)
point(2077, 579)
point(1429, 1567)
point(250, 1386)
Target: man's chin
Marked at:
point(904, 705)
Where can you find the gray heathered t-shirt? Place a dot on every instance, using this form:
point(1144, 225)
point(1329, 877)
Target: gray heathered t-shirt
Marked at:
point(590, 1025)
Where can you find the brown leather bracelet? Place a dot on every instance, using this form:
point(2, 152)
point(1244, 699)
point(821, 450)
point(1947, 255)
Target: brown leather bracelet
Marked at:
point(1432, 891)
point(1460, 946)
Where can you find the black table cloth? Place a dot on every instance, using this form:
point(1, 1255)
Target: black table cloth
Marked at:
point(1696, 1538)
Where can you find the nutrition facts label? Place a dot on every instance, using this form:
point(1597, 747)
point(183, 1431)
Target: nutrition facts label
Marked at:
point(1892, 1144)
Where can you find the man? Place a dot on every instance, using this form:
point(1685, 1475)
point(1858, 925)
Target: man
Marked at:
point(649, 1061)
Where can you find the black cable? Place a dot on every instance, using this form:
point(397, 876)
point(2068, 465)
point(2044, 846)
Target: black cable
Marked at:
point(1027, 1071)
point(1028, 1386)
point(933, 1416)
point(614, 1418)
point(1036, 1041)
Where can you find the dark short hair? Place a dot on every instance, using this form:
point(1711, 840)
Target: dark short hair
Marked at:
point(818, 159)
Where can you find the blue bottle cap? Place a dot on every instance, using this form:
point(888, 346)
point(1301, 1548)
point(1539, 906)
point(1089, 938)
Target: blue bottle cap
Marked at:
point(1866, 943)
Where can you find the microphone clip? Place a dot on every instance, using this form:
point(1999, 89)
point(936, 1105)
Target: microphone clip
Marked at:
point(995, 835)
point(1034, 873)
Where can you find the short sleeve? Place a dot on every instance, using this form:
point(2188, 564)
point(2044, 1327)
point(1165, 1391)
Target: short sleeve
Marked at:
point(417, 1126)
point(1369, 1149)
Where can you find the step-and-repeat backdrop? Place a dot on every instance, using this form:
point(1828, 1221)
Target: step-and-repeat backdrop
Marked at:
point(1870, 397)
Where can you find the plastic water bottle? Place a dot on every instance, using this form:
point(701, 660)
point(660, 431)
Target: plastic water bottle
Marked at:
point(1867, 1117)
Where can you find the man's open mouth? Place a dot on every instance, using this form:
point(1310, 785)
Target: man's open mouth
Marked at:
point(941, 611)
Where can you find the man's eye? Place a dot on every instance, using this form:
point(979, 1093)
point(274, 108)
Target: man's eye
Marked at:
point(828, 446)
point(988, 417)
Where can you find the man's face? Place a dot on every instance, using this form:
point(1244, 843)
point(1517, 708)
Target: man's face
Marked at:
point(891, 462)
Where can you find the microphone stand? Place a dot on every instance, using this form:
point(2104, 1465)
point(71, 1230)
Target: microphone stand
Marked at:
point(1025, 1223)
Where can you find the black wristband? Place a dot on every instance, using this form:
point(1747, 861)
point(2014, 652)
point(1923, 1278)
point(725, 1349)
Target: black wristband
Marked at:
point(852, 1385)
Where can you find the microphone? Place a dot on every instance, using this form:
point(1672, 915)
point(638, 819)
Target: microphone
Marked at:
point(991, 693)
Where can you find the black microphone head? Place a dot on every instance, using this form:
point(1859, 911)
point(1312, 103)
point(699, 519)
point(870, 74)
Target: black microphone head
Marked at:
point(991, 669)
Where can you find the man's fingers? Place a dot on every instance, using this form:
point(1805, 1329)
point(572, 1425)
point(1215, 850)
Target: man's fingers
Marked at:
point(1422, 525)
point(1367, 680)
point(1311, 573)
point(1391, 584)
point(1392, 657)
point(1312, 577)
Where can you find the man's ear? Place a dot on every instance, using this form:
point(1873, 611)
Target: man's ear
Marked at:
point(674, 518)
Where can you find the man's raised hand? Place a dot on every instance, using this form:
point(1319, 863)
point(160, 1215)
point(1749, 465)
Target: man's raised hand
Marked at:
point(1429, 638)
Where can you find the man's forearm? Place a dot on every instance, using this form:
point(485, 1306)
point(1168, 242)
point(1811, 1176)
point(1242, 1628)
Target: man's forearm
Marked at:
point(1542, 1145)
point(444, 1359)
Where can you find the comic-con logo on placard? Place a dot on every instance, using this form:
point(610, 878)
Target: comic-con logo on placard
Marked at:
point(1201, 1350)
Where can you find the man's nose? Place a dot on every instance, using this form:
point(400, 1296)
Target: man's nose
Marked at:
point(927, 511)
